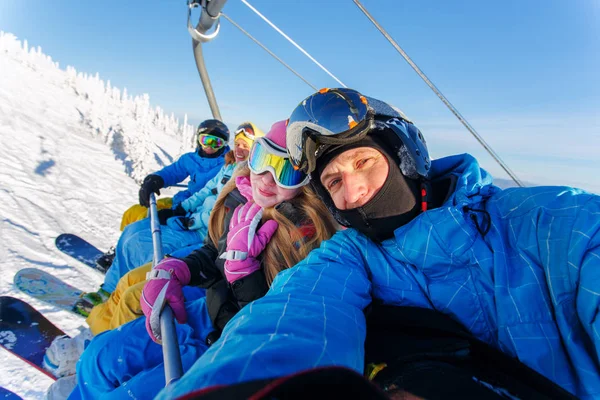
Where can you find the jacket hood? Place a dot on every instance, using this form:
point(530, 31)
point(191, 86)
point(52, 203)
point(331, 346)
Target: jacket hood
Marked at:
point(452, 221)
point(473, 183)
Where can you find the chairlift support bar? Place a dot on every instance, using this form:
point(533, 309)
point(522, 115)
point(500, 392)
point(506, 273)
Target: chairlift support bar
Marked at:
point(439, 94)
point(171, 355)
point(209, 15)
point(212, 9)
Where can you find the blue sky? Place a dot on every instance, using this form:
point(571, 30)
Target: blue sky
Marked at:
point(524, 73)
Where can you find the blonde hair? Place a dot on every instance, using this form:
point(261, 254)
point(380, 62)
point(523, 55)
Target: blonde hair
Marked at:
point(289, 245)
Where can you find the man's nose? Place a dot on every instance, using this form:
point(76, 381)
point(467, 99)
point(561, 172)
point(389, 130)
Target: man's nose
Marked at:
point(355, 191)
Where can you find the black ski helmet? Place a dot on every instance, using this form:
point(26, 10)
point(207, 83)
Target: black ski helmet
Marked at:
point(213, 127)
point(406, 144)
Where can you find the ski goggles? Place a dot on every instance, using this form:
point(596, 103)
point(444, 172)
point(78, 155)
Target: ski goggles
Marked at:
point(214, 142)
point(267, 156)
point(247, 130)
point(330, 116)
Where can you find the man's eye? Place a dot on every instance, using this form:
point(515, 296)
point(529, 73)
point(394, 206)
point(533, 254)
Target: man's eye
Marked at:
point(333, 183)
point(362, 162)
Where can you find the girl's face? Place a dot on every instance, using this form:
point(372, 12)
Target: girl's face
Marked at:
point(241, 150)
point(265, 191)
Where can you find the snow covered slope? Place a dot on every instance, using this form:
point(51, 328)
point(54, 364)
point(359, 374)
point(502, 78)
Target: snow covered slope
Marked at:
point(69, 148)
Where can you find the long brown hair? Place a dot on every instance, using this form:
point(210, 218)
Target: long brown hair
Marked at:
point(290, 244)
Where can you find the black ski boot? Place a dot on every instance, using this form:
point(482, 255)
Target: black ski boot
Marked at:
point(104, 262)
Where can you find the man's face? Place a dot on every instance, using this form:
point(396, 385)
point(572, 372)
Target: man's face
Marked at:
point(355, 176)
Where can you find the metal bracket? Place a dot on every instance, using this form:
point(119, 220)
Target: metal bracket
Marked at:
point(194, 32)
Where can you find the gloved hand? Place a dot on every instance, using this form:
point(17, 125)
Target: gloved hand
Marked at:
point(164, 285)
point(244, 242)
point(151, 184)
point(165, 214)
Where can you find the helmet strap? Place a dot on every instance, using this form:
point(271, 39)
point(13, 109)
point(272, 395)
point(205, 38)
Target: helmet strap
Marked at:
point(310, 151)
point(425, 189)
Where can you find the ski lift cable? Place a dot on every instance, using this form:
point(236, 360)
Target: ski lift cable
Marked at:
point(292, 42)
point(268, 51)
point(453, 109)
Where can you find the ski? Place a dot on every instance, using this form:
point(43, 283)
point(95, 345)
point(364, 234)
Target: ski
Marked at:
point(47, 288)
point(6, 394)
point(78, 248)
point(25, 332)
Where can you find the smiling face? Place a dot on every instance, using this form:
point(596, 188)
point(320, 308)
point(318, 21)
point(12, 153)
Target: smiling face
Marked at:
point(355, 176)
point(265, 191)
point(241, 150)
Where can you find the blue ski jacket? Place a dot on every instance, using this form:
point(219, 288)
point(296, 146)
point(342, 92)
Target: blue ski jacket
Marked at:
point(530, 287)
point(201, 203)
point(199, 169)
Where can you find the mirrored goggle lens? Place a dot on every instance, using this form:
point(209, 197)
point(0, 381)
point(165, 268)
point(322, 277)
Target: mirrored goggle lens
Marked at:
point(211, 141)
point(261, 160)
point(328, 112)
point(247, 131)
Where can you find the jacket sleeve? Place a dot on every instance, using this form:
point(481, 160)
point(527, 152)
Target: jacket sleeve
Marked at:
point(584, 258)
point(197, 199)
point(176, 172)
point(312, 316)
point(254, 286)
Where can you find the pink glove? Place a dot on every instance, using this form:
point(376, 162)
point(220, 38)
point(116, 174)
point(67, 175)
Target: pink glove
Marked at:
point(164, 285)
point(244, 186)
point(244, 242)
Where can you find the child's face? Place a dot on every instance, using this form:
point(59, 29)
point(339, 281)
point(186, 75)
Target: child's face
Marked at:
point(265, 191)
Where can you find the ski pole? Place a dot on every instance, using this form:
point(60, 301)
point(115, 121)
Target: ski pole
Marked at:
point(171, 356)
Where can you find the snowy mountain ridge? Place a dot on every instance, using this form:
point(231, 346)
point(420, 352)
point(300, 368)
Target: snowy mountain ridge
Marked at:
point(143, 137)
